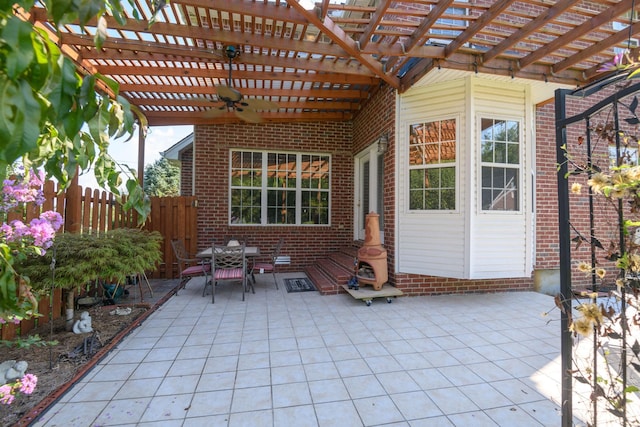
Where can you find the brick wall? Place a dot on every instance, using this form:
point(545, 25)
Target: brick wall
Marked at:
point(186, 172)
point(303, 243)
point(605, 213)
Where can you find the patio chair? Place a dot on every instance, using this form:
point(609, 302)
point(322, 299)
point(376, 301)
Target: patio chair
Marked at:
point(229, 264)
point(189, 266)
point(268, 265)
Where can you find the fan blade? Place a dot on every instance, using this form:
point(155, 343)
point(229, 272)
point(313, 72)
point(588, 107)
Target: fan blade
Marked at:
point(259, 104)
point(215, 112)
point(227, 94)
point(248, 115)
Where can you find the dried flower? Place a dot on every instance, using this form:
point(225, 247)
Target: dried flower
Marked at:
point(597, 182)
point(601, 272)
point(582, 326)
point(576, 188)
point(591, 312)
point(584, 267)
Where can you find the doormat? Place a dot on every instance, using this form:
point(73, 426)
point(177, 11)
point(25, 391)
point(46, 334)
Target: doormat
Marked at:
point(301, 284)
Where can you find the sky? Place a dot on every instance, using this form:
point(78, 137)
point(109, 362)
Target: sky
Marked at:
point(159, 138)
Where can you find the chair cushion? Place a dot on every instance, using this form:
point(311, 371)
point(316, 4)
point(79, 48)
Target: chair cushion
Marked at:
point(229, 273)
point(196, 269)
point(262, 266)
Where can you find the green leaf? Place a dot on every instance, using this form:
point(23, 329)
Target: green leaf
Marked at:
point(19, 120)
point(17, 36)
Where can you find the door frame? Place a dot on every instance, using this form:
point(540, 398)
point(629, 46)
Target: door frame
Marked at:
point(374, 159)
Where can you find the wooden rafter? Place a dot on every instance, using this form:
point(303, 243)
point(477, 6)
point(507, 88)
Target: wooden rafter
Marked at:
point(321, 64)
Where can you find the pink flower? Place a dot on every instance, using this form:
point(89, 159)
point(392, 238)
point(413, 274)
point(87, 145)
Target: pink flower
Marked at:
point(54, 218)
point(28, 383)
point(42, 232)
point(6, 396)
point(7, 231)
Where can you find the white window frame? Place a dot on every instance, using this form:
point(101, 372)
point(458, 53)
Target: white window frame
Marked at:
point(264, 188)
point(520, 165)
point(455, 165)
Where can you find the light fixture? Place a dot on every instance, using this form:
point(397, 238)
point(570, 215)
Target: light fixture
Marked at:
point(383, 144)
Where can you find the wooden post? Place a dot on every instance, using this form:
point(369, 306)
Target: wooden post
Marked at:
point(142, 133)
point(73, 209)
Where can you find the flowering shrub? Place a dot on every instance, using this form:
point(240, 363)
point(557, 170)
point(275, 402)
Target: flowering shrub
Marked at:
point(19, 240)
point(24, 385)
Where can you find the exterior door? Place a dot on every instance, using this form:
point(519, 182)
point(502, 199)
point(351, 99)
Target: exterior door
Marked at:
point(369, 168)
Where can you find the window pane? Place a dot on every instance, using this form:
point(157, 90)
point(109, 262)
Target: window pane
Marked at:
point(432, 199)
point(513, 156)
point(416, 199)
point(497, 177)
point(448, 177)
point(244, 203)
point(486, 130)
point(448, 199)
point(281, 207)
point(433, 178)
point(502, 193)
point(486, 177)
point(416, 178)
point(315, 207)
point(487, 151)
point(513, 131)
point(500, 152)
point(500, 130)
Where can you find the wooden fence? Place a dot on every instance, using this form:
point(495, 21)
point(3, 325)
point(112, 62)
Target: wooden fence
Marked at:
point(94, 211)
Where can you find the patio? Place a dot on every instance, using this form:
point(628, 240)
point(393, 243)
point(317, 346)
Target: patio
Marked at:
point(301, 359)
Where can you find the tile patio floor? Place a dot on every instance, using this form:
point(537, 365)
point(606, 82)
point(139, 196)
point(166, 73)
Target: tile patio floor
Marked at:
point(301, 359)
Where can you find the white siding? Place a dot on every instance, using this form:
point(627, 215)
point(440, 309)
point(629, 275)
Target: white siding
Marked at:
point(467, 243)
point(431, 242)
point(498, 240)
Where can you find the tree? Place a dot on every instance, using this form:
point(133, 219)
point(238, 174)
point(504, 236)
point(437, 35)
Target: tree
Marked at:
point(53, 119)
point(162, 179)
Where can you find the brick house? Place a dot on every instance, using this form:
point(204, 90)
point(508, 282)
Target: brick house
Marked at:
point(436, 115)
point(491, 227)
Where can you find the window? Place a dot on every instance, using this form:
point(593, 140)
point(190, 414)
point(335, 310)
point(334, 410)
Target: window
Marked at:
point(628, 156)
point(432, 165)
point(500, 145)
point(279, 188)
point(447, 26)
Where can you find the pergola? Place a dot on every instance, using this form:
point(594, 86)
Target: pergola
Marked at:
point(319, 61)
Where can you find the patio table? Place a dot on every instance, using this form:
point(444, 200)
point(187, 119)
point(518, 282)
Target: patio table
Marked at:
point(249, 252)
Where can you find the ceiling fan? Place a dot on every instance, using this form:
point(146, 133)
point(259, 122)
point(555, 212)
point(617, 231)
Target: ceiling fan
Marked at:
point(244, 108)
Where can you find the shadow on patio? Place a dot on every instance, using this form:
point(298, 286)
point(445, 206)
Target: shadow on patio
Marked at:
point(301, 359)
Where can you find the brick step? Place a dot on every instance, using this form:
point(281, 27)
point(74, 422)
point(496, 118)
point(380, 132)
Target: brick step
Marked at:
point(329, 273)
point(344, 260)
point(337, 272)
point(323, 283)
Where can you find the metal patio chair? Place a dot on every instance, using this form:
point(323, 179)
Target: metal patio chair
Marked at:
point(189, 266)
point(229, 264)
point(268, 265)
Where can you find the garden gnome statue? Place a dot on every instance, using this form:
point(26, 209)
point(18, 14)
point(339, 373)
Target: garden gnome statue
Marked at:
point(12, 370)
point(83, 325)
